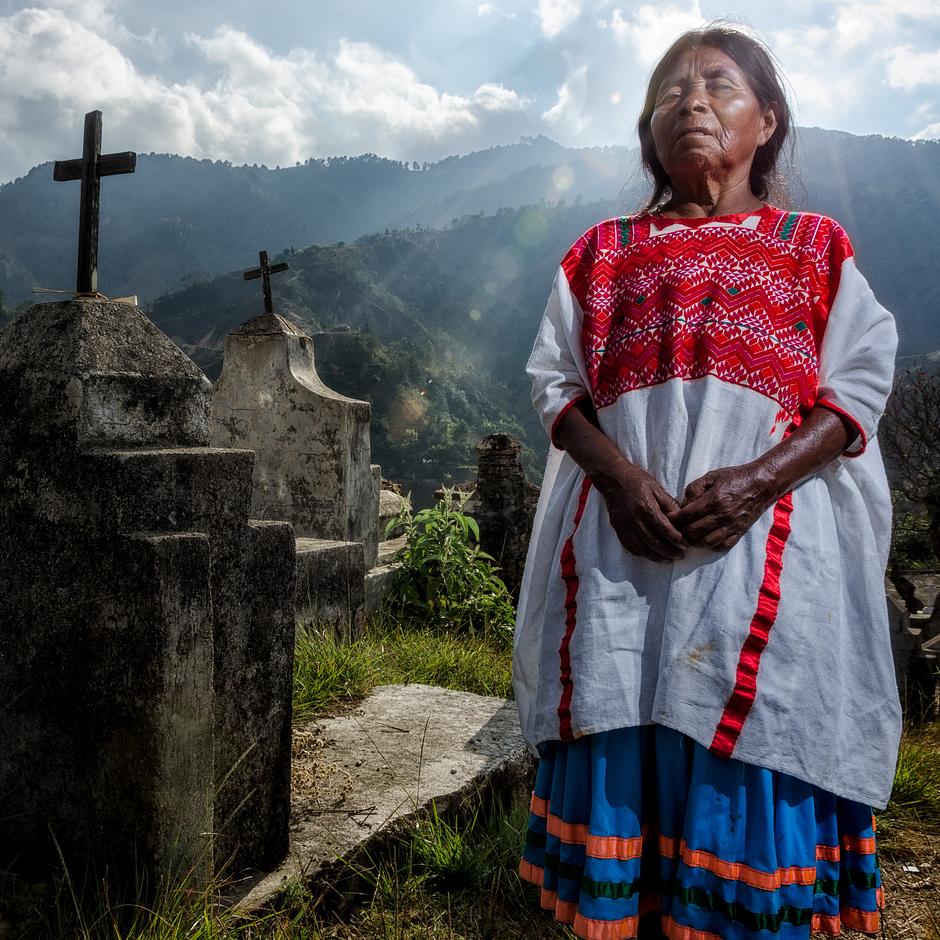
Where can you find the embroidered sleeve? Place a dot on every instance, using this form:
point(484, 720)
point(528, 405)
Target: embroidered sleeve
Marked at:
point(856, 360)
point(556, 365)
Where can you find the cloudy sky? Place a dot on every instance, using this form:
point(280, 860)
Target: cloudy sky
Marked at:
point(251, 82)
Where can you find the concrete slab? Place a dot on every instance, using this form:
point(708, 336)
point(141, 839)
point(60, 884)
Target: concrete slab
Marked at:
point(389, 549)
point(358, 776)
point(378, 582)
point(330, 583)
point(380, 579)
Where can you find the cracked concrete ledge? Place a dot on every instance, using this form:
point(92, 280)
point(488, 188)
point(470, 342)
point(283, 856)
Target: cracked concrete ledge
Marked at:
point(356, 777)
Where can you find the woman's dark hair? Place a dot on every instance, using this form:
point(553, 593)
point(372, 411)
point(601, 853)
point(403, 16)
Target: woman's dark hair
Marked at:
point(758, 66)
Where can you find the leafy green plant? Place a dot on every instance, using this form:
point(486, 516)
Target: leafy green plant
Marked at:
point(445, 579)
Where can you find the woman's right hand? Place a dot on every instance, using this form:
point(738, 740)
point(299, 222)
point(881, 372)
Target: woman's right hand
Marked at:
point(636, 503)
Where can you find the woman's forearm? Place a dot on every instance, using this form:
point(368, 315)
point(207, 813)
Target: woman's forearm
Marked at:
point(819, 440)
point(592, 450)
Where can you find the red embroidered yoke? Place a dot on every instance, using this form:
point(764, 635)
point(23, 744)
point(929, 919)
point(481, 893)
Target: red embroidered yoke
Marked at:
point(702, 342)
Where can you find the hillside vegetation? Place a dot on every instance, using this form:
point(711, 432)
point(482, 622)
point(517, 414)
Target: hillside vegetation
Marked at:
point(424, 285)
point(179, 221)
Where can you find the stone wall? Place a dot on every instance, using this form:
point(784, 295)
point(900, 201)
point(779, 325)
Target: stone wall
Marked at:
point(504, 506)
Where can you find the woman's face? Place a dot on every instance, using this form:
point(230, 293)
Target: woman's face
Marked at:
point(707, 119)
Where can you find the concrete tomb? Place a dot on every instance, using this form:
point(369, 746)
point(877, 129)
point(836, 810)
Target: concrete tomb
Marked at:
point(313, 460)
point(146, 623)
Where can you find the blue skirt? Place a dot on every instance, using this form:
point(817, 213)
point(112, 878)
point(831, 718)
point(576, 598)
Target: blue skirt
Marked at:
point(645, 823)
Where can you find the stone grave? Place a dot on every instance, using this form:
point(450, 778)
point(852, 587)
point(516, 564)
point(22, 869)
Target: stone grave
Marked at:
point(915, 650)
point(359, 777)
point(312, 465)
point(146, 623)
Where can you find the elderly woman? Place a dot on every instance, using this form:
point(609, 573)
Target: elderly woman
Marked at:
point(702, 657)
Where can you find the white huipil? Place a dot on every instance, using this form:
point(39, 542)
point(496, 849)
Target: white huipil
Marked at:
point(699, 342)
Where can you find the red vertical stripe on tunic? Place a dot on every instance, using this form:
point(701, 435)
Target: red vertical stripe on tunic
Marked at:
point(569, 575)
point(768, 600)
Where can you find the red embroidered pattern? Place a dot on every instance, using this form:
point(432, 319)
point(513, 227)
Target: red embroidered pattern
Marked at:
point(748, 305)
point(742, 697)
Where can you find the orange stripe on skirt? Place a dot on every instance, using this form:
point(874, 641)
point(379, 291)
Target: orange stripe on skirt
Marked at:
point(865, 845)
point(828, 853)
point(567, 911)
point(623, 848)
point(618, 847)
point(754, 877)
point(677, 931)
point(826, 923)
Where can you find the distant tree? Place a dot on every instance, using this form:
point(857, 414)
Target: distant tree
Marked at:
point(909, 434)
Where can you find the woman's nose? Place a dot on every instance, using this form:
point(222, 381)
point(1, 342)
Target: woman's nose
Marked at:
point(694, 101)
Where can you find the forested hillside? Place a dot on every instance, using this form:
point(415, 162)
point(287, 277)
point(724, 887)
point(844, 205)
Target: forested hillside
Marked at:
point(179, 221)
point(432, 327)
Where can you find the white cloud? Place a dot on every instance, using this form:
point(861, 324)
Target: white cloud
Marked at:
point(653, 28)
point(492, 97)
point(908, 68)
point(263, 107)
point(569, 111)
point(555, 16)
point(826, 73)
point(925, 111)
point(930, 132)
point(854, 26)
point(820, 98)
point(489, 9)
point(909, 9)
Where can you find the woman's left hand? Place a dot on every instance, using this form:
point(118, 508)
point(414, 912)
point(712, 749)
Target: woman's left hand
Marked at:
point(721, 505)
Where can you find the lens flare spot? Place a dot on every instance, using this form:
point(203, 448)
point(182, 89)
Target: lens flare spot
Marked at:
point(615, 98)
point(506, 265)
point(563, 178)
point(531, 228)
point(407, 415)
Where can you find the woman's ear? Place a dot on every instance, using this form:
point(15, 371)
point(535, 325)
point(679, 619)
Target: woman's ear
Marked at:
point(769, 124)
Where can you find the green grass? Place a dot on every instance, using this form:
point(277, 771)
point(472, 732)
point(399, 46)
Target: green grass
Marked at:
point(453, 879)
point(916, 790)
point(445, 877)
point(442, 878)
point(331, 671)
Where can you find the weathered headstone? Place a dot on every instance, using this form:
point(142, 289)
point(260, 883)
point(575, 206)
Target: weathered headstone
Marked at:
point(146, 625)
point(312, 444)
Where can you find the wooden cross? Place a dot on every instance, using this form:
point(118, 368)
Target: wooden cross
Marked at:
point(89, 168)
point(265, 272)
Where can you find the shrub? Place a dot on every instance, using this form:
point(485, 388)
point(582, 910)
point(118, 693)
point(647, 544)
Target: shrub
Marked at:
point(445, 580)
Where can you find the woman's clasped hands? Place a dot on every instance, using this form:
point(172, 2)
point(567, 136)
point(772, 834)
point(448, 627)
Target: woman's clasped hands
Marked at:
point(715, 510)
